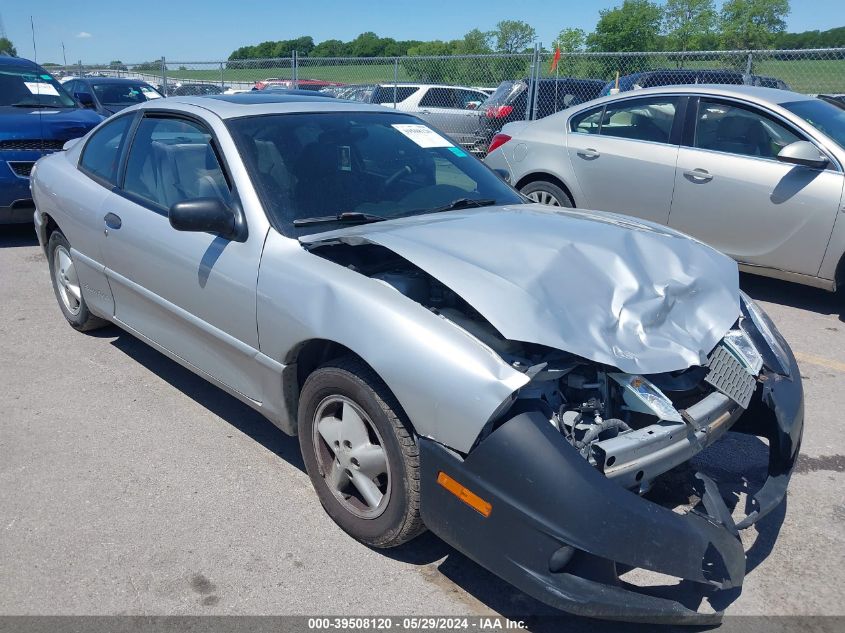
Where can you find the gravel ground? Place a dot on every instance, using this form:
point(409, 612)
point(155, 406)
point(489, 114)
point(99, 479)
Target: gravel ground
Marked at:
point(130, 486)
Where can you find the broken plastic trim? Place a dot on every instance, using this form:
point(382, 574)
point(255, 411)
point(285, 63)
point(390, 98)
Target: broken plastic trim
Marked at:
point(560, 526)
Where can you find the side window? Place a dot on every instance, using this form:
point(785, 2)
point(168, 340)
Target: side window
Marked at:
point(172, 160)
point(102, 152)
point(640, 119)
point(469, 99)
point(587, 122)
point(738, 130)
point(438, 98)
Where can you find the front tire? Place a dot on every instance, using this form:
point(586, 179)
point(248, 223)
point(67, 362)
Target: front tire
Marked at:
point(548, 193)
point(360, 453)
point(66, 285)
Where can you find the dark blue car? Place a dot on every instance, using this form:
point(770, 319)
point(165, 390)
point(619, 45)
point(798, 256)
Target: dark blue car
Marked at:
point(107, 95)
point(37, 116)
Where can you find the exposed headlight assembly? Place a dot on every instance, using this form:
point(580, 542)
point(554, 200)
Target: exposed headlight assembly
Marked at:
point(762, 331)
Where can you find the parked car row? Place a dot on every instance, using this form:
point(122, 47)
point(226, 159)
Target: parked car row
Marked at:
point(451, 354)
point(754, 172)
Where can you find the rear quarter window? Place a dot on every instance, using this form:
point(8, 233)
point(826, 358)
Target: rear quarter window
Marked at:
point(101, 154)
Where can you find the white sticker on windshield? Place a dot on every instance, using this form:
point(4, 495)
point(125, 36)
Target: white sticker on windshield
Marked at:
point(149, 93)
point(38, 88)
point(422, 135)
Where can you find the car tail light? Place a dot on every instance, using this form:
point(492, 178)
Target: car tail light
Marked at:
point(498, 141)
point(498, 112)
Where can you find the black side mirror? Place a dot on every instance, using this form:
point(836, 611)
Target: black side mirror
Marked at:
point(203, 215)
point(85, 98)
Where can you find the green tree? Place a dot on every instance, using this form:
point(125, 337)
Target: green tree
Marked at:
point(634, 26)
point(570, 40)
point(513, 36)
point(476, 42)
point(751, 24)
point(7, 47)
point(688, 24)
point(330, 48)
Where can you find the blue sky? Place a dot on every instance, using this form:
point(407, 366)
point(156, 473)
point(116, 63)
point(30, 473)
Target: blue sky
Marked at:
point(188, 30)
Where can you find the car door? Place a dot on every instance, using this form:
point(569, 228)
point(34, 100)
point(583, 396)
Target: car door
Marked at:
point(624, 155)
point(83, 200)
point(450, 111)
point(733, 193)
point(191, 293)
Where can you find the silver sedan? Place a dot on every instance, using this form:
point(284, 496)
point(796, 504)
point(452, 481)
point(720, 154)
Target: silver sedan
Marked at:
point(755, 172)
point(509, 376)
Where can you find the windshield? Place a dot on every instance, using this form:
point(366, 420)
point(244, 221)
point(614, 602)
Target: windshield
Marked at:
point(31, 87)
point(124, 94)
point(823, 116)
point(321, 165)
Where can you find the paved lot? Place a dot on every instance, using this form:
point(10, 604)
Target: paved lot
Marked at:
point(130, 486)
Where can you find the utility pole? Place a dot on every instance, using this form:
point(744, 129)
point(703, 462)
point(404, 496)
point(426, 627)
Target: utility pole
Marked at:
point(64, 56)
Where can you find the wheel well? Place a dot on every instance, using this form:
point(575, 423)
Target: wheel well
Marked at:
point(548, 178)
point(300, 363)
point(839, 276)
point(49, 226)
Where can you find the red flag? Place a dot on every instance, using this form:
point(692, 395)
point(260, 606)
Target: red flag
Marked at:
point(555, 59)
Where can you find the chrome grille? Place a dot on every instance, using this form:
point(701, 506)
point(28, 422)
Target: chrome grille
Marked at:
point(729, 376)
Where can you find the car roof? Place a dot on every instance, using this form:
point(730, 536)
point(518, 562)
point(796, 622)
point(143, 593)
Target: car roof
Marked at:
point(19, 62)
point(111, 80)
point(257, 103)
point(754, 93)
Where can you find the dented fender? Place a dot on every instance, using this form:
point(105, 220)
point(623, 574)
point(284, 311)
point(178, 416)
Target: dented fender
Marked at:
point(447, 381)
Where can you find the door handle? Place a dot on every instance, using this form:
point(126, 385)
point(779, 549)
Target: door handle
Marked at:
point(112, 221)
point(425, 111)
point(589, 153)
point(699, 175)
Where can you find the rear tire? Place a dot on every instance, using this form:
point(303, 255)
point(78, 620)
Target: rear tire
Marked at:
point(360, 453)
point(548, 193)
point(66, 285)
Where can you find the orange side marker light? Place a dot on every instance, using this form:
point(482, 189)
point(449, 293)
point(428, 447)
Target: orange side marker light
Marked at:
point(465, 494)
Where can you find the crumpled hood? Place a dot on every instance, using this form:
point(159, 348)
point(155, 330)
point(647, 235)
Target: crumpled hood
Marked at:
point(612, 289)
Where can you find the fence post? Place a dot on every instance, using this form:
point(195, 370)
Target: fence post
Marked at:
point(294, 69)
point(748, 63)
point(538, 73)
point(395, 79)
point(221, 75)
point(163, 76)
point(533, 76)
point(80, 68)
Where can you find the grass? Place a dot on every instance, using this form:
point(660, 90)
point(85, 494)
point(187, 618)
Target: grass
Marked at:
point(802, 75)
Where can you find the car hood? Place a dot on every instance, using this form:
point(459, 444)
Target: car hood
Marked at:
point(611, 289)
point(60, 124)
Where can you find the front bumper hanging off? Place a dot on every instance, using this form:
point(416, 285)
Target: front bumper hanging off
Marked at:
point(558, 527)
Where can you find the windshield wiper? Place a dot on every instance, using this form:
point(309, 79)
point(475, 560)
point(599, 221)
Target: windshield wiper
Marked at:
point(37, 104)
point(460, 203)
point(347, 217)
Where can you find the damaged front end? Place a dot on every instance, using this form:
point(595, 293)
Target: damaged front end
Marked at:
point(548, 496)
point(563, 468)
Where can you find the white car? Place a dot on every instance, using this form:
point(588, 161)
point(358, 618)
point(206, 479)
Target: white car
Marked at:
point(451, 109)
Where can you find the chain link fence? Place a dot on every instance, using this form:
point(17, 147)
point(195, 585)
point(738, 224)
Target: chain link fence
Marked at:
point(471, 97)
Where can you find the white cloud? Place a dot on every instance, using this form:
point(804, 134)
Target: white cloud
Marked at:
point(83, 34)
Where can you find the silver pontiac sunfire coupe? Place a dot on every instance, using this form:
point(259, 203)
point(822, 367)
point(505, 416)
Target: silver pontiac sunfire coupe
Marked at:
point(511, 376)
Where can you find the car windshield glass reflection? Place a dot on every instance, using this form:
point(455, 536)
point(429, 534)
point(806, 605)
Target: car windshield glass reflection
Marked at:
point(340, 167)
point(122, 94)
point(28, 88)
point(823, 116)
